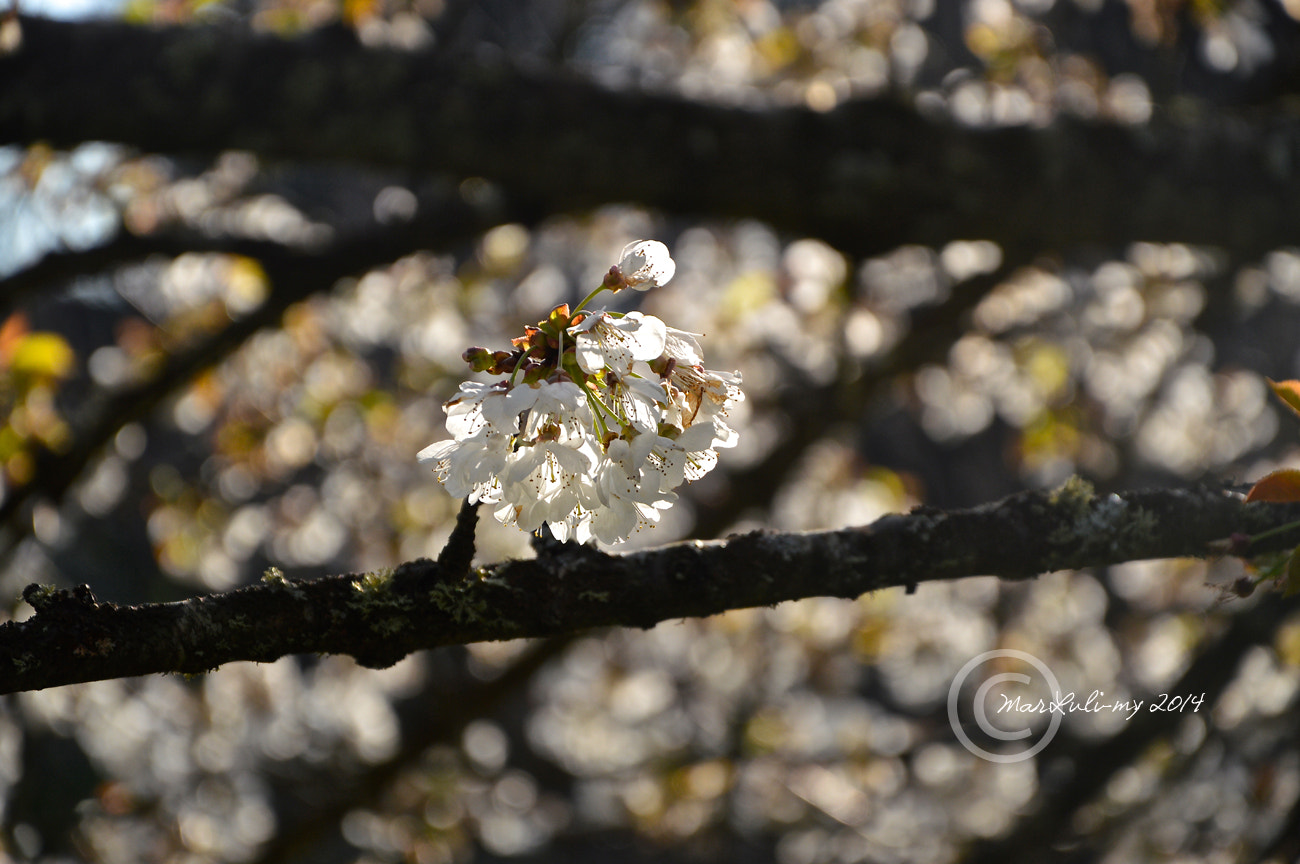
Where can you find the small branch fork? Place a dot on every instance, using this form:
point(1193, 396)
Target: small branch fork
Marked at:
point(380, 617)
point(455, 558)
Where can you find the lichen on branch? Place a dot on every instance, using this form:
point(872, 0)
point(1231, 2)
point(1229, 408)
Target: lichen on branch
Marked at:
point(378, 618)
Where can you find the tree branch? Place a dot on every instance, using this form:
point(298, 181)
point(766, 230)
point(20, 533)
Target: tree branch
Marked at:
point(293, 274)
point(62, 266)
point(435, 714)
point(866, 177)
point(379, 618)
point(1044, 835)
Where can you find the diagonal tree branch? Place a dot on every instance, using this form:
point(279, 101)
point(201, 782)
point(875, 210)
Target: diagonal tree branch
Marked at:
point(432, 716)
point(61, 266)
point(812, 408)
point(294, 275)
point(1042, 836)
point(381, 617)
point(866, 177)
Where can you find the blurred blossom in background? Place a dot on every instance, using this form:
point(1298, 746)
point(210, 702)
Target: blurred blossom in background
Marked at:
point(806, 733)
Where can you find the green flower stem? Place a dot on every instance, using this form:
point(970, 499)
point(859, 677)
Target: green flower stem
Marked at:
point(587, 299)
point(595, 405)
point(1280, 529)
point(598, 406)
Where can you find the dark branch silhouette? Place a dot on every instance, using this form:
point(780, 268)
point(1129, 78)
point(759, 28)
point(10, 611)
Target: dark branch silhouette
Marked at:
point(1039, 835)
point(378, 618)
point(866, 177)
point(437, 713)
point(293, 274)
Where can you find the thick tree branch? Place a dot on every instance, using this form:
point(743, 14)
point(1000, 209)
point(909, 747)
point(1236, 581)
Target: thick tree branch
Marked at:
point(865, 177)
point(59, 267)
point(381, 617)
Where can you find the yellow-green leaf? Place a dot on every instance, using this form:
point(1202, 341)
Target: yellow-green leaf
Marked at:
point(1291, 579)
point(43, 354)
point(1281, 486)
point(1288, 392)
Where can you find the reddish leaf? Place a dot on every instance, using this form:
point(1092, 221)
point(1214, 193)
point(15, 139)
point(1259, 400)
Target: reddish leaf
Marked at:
point(1288, 392)
point(1279, 486)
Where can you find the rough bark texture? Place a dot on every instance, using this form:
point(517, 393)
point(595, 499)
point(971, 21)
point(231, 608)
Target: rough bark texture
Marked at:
point(866, 177)
point(381, 617)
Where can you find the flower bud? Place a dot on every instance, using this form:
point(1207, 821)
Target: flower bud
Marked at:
point(503, 362)
point(1243, 587)
point(663, 366)
point(479, 359)
point(614, 279)
point(646, 264)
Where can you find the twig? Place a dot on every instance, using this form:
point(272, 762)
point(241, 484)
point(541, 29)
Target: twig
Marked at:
point(456, 556)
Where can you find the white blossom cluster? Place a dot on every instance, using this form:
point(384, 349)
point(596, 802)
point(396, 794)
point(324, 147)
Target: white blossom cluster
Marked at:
point(598, 417)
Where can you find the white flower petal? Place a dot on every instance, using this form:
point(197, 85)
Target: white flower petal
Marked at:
point(683, 347)
point(436, 451)
point(646, 264)
point(587, 351)
point(606, 341)
point(517, 399)
point(697, 437)
point(646, 339)
point(615, 522)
